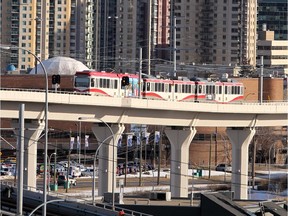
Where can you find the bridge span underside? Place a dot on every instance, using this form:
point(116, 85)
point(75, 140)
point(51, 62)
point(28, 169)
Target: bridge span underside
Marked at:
point(180, 119)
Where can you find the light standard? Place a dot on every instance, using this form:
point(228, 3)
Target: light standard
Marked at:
point(50, 201)
point(94, 166)
point(49, 166)
point(46, 122)
point(113, 164)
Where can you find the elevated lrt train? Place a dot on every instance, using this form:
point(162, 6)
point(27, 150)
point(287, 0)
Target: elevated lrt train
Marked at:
point(127, 85)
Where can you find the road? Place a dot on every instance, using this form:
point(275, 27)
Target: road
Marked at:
point(86, 182)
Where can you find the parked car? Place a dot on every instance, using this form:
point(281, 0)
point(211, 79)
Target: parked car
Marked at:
point(89, 172)
point(224, 168)
point(6, 171)
point(62, 179)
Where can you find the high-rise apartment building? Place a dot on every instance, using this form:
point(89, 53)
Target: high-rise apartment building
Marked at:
point(47, 29)
point(216, 31)
point(126, 26)
point(108, 34)
point(22, 27)
point(274, 13)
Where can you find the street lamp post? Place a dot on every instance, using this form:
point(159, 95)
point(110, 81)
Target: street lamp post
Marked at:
point(94, 166)
point(46, 122)
point(49, 168)
point(113, 164)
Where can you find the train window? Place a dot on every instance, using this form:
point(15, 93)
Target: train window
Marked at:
point(226, 90)
point(104, 83)
point(237, 90)
point(176, 88)
point(170, 87)
point(220, 89)
point(162, 87)
point(109, 83)
point(166, 87)
point(152, 86)
point(82, 82)
point(189, 88)
point(183, 88)
point(115, 84)
point(148, 86)
point(101, 83)
point(213, 89)
point(199, 89)
point(158, 87)
point(97, 83)
point(92, 82)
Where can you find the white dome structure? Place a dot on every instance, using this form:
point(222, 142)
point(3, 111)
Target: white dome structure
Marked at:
point(61, 66)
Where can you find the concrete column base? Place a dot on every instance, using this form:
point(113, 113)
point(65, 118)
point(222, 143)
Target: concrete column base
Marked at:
point(180, 139)
point(240, 139)
point(32, 132)
point(105, 155)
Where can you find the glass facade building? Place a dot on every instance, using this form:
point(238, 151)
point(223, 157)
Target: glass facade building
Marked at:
point(273, 13)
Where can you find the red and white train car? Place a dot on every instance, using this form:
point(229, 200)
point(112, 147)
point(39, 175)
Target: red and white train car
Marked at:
point(127, 85)
point(100, 83)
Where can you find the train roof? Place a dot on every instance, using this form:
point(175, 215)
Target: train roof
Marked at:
point(105, 74)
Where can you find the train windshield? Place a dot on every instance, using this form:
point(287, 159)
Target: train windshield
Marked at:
point(82, 82)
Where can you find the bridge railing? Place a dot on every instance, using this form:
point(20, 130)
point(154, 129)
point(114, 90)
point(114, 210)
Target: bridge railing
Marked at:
point(250, 102)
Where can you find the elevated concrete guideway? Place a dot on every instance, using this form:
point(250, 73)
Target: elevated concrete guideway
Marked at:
point(180, 118)
point(70, 107)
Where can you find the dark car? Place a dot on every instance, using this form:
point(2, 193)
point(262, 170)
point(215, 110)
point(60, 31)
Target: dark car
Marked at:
point(62, 179)
point(224, 168)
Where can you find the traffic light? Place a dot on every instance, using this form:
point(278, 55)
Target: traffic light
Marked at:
point(125, 81)
point(56, 79)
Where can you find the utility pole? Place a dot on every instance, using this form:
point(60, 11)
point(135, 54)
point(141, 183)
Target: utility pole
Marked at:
point(140, 164)
point(126, 162)
point(253, 163)
point(160, 155)
point(174, 49)
point(140, 73)
point(261, 79)
point(68, 167)
point(216, 147)
point(149, 37)
point(210, 148)
point(20, 160)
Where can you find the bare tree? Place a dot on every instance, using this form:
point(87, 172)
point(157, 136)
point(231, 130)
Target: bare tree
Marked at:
point(226, 150)
point(264, 138)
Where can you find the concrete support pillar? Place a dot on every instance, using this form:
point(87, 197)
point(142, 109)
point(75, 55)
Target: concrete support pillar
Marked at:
point(180, 139)
point(32, 132)
point(240, 139)
point(105, 156)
